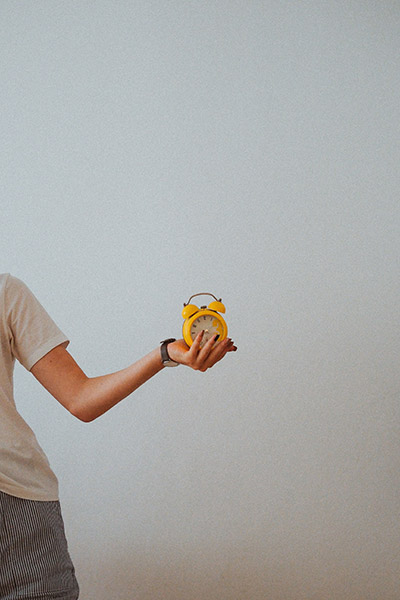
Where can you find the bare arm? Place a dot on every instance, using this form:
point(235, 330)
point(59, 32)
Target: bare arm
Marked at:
point(89, 397)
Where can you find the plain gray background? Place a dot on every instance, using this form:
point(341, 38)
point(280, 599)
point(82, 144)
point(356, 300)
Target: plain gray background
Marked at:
point(154, 149)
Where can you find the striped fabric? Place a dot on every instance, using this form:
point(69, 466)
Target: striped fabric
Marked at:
point(34, 559)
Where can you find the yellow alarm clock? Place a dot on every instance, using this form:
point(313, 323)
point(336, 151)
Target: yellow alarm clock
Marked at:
point(205, 318)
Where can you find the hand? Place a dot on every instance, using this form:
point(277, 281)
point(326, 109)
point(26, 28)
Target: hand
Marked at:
point(197, 358)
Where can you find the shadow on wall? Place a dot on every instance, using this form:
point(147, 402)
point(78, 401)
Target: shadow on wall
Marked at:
point(232, 575)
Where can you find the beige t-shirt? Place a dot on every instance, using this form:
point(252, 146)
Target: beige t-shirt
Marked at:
point(27, 333)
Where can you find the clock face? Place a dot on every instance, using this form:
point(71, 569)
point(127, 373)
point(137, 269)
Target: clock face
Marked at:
point(210, 324)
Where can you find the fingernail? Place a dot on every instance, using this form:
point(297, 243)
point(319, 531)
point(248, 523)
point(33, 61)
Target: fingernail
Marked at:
point(216, 337)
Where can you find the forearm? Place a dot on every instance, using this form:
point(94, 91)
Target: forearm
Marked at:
point(89, 397)
point(98, 394)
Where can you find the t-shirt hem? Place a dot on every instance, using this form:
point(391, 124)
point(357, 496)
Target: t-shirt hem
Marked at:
point(26, 495)
point(45, 349)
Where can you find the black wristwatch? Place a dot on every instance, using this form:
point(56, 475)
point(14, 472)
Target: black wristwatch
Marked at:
point(166, 361)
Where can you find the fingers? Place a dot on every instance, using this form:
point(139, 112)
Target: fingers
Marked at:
point(220, 349)
point(197, 357)
point(195, 347)
point(206, 350)
point(211, 352)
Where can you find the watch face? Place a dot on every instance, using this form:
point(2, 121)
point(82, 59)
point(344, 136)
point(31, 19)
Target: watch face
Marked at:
point(210, 324)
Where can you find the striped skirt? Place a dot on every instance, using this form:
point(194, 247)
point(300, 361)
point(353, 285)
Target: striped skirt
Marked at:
point(34, 559)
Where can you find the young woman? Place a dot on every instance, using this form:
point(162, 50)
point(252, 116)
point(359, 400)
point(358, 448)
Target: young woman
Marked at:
point(34, 559)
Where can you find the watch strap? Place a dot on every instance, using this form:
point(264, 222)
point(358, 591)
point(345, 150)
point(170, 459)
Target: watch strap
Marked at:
point(165, 358)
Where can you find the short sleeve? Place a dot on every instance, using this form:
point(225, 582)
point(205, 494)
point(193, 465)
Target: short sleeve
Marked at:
point(33, 333)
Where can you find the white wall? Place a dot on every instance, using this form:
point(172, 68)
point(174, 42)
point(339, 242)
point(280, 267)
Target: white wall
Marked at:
point(151, 150)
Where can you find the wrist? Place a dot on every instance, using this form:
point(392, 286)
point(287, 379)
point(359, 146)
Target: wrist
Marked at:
point(166, 360)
